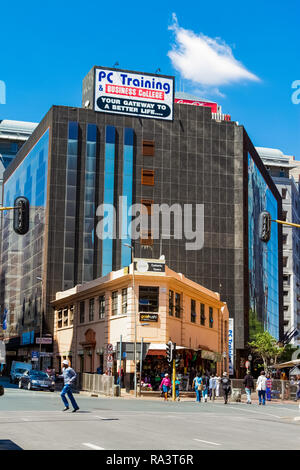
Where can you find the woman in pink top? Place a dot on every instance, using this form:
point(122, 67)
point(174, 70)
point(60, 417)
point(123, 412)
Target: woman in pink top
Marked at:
point(165, 386)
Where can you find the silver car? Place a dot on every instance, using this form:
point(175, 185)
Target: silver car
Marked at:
point(36, 380)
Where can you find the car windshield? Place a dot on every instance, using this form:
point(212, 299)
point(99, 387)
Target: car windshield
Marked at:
point(20, 371)
point(39, 374)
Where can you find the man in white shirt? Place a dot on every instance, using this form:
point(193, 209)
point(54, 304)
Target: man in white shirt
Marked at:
point(261, 386)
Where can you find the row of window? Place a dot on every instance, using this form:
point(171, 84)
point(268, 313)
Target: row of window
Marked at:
point(148, 303)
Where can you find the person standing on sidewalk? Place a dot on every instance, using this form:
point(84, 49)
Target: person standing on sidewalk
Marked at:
point(205, 384)
point(212, 387)
point(261, 386)
point(218, 381)
point(249, 385)
point(69, 375)
point(226, 387)
point(197, 386)
point(269, 387)
point(165, 386)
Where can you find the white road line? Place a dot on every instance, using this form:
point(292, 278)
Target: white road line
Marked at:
point(207, 442)
point(92, 446)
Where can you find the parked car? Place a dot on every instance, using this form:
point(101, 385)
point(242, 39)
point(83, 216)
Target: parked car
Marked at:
point(36, 379)
point(18, 369)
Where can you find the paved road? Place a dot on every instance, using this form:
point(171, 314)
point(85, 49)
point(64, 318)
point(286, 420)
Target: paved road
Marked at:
point(34, 420)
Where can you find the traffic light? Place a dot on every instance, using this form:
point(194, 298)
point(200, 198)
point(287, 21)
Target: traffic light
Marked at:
point(21, 215)
point(264, 226)
point(177, 362)
point(169, 351)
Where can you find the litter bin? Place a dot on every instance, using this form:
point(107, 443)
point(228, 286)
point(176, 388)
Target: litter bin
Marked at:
point(116, 391)
point(236, 394)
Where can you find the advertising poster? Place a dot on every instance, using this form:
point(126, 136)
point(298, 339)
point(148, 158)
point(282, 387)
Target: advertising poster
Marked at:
point(134, 94)
point(230, 346)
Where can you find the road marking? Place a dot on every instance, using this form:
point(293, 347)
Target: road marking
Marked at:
point(92, 446)
point(208, 442)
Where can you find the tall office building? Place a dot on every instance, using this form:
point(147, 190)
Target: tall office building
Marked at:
point(284, 170)
point(132, 140)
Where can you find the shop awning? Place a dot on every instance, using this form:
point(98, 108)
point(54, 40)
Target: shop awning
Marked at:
point(159, 349)
point(296, 362)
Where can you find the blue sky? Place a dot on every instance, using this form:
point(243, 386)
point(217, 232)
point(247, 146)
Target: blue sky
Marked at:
point(47, 48)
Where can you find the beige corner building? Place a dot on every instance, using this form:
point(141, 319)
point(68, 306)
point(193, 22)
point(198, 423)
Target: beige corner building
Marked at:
point(144, 308)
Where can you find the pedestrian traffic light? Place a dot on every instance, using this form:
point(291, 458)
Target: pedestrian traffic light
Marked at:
point(169, 351)
point(21, 215)
point(177, 362)
point(264, 226)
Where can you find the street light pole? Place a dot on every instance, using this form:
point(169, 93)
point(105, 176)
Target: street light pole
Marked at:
point(134, 312)
point(41, 321)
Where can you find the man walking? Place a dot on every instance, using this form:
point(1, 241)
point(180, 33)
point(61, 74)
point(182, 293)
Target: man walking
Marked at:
point(249, 384)
point(212, 387)
point(261, 386)
point(69, 375)
point(226, 386)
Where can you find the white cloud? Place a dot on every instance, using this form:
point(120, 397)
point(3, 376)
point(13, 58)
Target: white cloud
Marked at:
point(205, 61)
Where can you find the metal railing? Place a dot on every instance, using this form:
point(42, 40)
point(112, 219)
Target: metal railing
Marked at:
point(96, 383)
point(281, 389)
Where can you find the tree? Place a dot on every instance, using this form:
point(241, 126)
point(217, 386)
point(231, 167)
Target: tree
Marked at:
point(266, 347)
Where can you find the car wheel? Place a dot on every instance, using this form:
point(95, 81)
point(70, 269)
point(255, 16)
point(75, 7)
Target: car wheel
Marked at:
point(29, 386)
point(20, 384)
point(51, 389)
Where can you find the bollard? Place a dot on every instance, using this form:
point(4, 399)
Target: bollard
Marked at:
point(1, 390)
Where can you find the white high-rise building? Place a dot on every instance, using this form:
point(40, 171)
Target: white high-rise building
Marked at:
point(285, 171)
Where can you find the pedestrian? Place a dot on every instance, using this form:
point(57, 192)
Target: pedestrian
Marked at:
point(165, 386)
point(261, 386)
point(212, 387)
point(269, 387)
point(198, 387)
point(205, 384)
point(177, 383)
point(249, 385)
point(226, 387)
point(298, 388)
point(69, 375)
point(218, 381)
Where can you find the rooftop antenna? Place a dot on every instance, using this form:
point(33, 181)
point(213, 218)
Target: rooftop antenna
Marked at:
point(115, 64)
point(157, 70)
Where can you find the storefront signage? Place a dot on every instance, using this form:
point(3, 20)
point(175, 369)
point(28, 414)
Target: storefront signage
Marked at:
point(28, 337)
point(149, 317)
point(230, 346)
point(134, 93)
point(143, 266)
point(43, 340)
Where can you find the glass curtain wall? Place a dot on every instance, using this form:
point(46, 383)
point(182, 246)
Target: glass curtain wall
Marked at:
point(263, 257)
point(127, 195)
point(22, 255)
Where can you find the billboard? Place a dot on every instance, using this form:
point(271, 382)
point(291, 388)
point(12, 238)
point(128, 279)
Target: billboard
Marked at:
point(134, 93)
point(231, 346)
point(209, 104)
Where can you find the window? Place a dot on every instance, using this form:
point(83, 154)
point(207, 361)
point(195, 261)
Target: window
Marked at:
point(284, 239)
point(202, 314)
point(177, 305)
point(285, 307)
point(148, 177)
point(285, 292)
point(148, 299)
point(71, 315)
point(81, 312)
point(148, 148)
point(101, 306)
point(146, 238)
point(193, 311)
point(59, 319)
point(148, 206)
point(91, 310)
point(124, 301)
point(285, 261)
point(284, 215)
point(171, 302)
point(283, 193)
point(114, 303)
point(225, 331)
point(211, 317)
point(66, 317)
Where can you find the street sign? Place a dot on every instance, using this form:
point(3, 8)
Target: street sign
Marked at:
point(35, 355)
point(43, 340)
point(247, 364)
point(124, 354)
point(109, 348)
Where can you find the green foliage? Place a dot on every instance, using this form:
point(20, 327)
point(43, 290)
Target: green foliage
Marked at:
point(265, 347)
point(287, 353)
point(255, 326)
